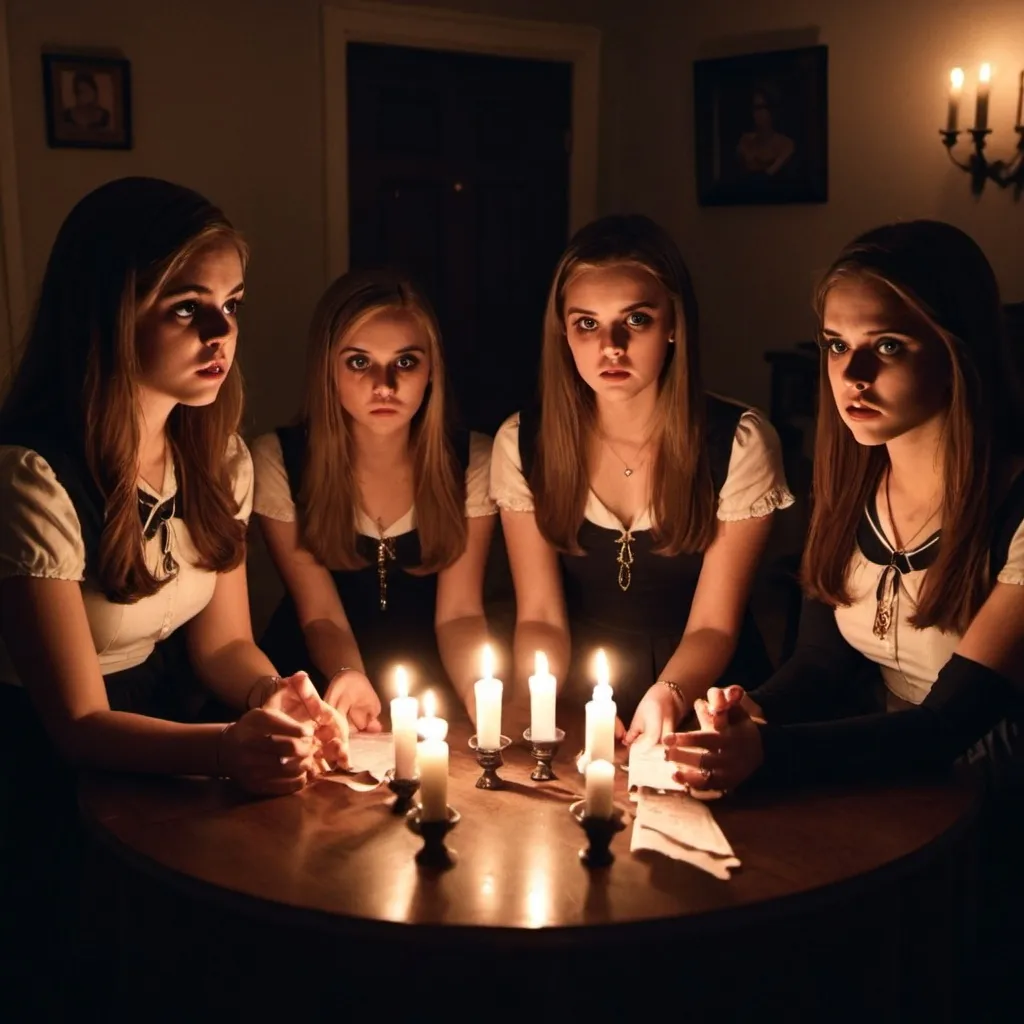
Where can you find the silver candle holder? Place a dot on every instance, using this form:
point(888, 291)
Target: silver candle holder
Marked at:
point(434, 853)
point(599, 831)
point(543, 752)
point(490, 761)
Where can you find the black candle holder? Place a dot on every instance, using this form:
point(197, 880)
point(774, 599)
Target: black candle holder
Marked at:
point(433, 854)
point(404, 790)
point(600, 832)
point(490, 761)
point(1004, 173)
point(543, 752)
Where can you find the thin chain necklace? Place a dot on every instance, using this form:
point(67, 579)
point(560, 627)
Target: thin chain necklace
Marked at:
point(900, 547)
point(628, 470)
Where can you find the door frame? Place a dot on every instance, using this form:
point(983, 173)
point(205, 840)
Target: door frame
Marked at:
point(435, 29)
point(13, 310)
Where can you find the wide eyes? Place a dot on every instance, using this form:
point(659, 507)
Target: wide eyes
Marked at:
point(636, 319)
point(188, 308)
point(360, 362)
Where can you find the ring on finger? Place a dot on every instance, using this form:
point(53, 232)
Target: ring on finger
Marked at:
point(705, 773)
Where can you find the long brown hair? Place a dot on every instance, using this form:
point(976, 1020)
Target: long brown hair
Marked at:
point(78, 375)
point(327, 511)
point(682, 491)
point(941, 274)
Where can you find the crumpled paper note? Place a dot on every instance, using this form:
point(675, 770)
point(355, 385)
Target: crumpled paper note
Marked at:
point(371, 758)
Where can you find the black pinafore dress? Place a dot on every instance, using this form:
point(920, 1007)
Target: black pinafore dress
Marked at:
point(389, 605)
point(640, 627)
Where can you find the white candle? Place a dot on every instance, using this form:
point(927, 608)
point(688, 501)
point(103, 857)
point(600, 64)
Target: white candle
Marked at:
point(542, 701)
point(956, 86)
point(404, 710)
point(600, 715)
point(430, 727)
point(600, 799)
point(981, 108)
point(488, 705)
point(432, 760)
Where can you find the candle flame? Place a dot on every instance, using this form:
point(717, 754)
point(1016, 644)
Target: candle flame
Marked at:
point(956, 78)
point(985, 75)
point(601, 667)
point(540, 663)
point(401, 681)
point(429, 704)
point(488, 662)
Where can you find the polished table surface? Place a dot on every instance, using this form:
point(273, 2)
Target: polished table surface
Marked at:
point(340, 859)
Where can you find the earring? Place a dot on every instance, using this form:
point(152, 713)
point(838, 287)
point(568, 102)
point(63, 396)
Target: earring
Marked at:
point(671, 341)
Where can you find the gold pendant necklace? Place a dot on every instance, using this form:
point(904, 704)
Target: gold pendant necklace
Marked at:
point(625, 560)
point(887, 593)
point(628, 470)
point(385, 553)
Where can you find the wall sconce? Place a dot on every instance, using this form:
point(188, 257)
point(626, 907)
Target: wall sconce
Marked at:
point(1003, 172)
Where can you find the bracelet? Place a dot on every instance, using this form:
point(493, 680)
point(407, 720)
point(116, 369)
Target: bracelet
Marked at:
point(261, 684)
point(676, 689)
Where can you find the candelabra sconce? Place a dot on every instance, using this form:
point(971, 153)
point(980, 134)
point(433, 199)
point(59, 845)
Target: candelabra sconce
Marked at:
point(1005, 173)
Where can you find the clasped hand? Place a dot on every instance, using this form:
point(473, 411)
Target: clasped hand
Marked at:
point(286, 742)
point(726, 750)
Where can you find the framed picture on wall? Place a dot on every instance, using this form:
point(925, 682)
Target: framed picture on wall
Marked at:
point(88, 102)
point(761, 128)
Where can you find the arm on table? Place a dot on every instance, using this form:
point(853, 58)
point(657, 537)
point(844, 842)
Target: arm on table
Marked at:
point(459, 618)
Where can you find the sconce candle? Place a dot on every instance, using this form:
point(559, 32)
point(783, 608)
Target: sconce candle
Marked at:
point(488, 705)
point(956, 87)
point(542, 701)
point(981, 109)
point(600, 715)
point(404, 710)
point(432, 757)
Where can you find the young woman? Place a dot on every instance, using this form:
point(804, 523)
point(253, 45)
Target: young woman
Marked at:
point(374, 510)
point(125, 492)
point(635, 507)
point(914, 566)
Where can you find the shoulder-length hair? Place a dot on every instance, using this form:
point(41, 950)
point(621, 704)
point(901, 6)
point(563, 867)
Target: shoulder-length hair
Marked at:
point(682, 492)
point(327, 499)
point(78, 376)
point(943, 276)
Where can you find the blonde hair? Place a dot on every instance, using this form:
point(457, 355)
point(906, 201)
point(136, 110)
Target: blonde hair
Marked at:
point(325, 499)
point(114, 253)
point(682, 490)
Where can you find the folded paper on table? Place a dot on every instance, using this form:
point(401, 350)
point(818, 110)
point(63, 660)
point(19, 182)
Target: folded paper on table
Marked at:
point(682, 828)
point(371, 754)
point(649, 768)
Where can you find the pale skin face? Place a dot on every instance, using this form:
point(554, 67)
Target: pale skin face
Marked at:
point(382, 372)
point(186, 337)
point(618, 321)
point(888, 368)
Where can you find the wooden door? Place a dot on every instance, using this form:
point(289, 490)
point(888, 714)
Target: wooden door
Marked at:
point(459, 174)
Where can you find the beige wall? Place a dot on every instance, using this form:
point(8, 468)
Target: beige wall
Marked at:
point(888, 64)
point(227, 98)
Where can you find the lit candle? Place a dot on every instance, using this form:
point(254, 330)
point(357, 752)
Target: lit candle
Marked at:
point(956, 86)
point(981, 110)
point(430, 727)
point(600, 714)
point(600, 789)
point(542, 701)
point(432, 758)
point(488, 705)
point(404, 710)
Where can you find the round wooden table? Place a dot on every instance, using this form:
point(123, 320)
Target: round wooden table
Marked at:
point(852, 899)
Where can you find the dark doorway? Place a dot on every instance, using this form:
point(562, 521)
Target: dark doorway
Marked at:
point(459, 174)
